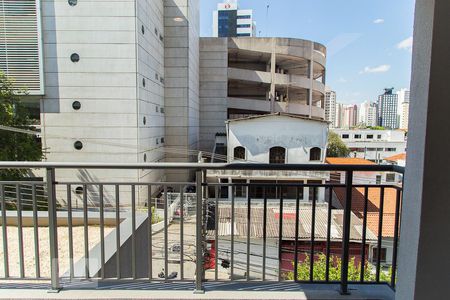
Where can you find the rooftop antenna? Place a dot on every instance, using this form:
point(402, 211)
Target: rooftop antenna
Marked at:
point(267, 19)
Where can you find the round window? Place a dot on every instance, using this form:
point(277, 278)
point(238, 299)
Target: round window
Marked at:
point(72, 2)
point(79, 190)
point(75, 57)
point(76, 105)
point(78, 145)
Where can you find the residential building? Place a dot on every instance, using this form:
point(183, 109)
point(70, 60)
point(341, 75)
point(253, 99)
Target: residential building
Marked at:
point(242, 77)
point(330, 107)
point(229, 21)
point(398, 160)
point(367, 115)
point(279, 143)
point(403, 108)
point(350, 116)
point(387, 109)
point(373, 145)
point(339, 115)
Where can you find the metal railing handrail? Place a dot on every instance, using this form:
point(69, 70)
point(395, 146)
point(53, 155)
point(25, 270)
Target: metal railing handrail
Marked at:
point(203, 166)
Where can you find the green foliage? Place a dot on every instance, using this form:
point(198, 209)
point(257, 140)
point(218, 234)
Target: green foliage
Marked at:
point(319, 274)
point(15, 146)
point(376, 127)
point(336, 147)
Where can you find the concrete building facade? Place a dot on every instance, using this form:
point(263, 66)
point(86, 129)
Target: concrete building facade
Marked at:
point(403, 108)
point(367, 115)
point(242, 77)
point(373, 145)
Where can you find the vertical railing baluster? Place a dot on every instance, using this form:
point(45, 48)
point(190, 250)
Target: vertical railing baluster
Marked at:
point(328, 252)
point(102, 232)
point(280, 236)
point(396, 233)
point(364, 234)
point(133, 231)
point(36, 232)
point(249, 203)
point(70, 230)
point(216, 234)
point(20, 231)
point(233, 190)
point(86, 232)
point(181, 232)
point(53, 229)
point(150, 232)
point(380, 235)
point(297, 221)
point(5, 233)
point(199, 233)
point(313, 236)
point(117, 191)
point(346, 232)
point(264, 234)
point(166, 235)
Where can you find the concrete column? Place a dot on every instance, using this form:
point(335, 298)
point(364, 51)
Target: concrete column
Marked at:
point(425, 230)
point(311, 78)
point(273, 62)
point(230, 189)
point(321, 197)
point(305, 191)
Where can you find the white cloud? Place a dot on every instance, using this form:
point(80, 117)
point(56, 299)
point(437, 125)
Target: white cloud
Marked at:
point(406, 44)
point(377, 69)
point(378, 21)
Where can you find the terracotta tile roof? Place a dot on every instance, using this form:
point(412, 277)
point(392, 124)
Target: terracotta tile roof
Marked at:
point(348, 161)
point(401, 156)
point(373, 207)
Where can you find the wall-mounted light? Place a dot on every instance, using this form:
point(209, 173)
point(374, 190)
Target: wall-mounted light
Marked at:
point(178, 19)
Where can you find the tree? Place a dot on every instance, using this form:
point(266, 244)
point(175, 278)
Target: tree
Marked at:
point(336, 147)
point(319, 273)
point(15, 146)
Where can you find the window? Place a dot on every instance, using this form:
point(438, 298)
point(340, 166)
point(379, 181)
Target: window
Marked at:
point(390, 149)
point(370, 136)
point(243, 26)
point(357, 136)
point(382, 254)
point(243, 34)
point(163, 140)
point(76, 105)
point(378, 179)
point(277, 155)
point(143, 29)
point(144, 120)
point(145, 157)
point(72, 2)
point(390, 177)
point(244, 17)
point(379, 136)
point(239, 152)
point(345, 136)
point(315, 154)
point(75, 57)
point(143, 82)
point(78, 145)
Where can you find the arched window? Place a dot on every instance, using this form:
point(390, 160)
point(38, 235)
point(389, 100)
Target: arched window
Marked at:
point(277, 155)
point(315, 154)
point(239, 152)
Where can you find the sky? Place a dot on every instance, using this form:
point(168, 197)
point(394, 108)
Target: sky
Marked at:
point(368, 41)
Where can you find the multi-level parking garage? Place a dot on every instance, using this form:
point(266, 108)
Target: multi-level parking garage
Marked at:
point(247, 76)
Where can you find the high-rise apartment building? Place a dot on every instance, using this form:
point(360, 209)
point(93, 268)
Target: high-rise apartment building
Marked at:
point(403, 108)
point(229, 21)
point(387, 109)
point(350, 116)
point(330, 107)
point(367, 114)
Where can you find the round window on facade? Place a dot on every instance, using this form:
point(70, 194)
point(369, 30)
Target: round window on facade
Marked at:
point(144, 120)
point(79, 190)
point(76, 105)
point(78, 145)
point(145, 157)
point(72, 2)
point(75, 57)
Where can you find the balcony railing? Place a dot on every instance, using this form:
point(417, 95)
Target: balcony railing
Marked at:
point(197, 231)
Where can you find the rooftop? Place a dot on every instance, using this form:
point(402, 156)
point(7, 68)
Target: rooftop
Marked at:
point(348, 161)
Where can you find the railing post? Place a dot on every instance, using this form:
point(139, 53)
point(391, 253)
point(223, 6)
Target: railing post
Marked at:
point(199, 234)
point(53, 230)
point(346, 232)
